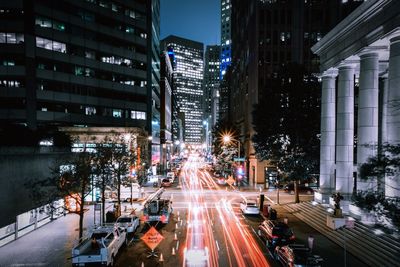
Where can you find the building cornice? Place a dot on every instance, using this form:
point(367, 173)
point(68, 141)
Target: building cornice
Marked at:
point(370, 22)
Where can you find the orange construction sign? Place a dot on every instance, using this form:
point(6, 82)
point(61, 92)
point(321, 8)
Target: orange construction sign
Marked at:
point(152, 238)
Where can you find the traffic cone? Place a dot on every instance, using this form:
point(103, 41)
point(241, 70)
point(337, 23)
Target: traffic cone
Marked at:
point(173, 251)
point(175, 237)
point(161, 258)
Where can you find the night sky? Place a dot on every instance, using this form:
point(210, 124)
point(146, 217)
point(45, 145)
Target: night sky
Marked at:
point(197, 20)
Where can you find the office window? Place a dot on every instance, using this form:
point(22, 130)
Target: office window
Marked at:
point(43, 22)
point(138, 115)
point(130, 13)
point(8, 63)
point(10, 83)
point(48, 23)
point(90, 111)
point(51, 45)
point(117, 113)
point(11, 38)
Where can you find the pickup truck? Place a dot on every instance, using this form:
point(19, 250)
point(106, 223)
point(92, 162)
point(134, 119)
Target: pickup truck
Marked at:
point(100, 248)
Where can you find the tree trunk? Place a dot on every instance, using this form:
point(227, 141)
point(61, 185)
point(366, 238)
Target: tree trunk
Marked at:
point(103, 200)
point(81, 211)
point(119, 188)
point(296, 191)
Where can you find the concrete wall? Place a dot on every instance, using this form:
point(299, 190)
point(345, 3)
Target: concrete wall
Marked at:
point(17, 166)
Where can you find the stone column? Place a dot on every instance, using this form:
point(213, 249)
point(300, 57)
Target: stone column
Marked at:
point(367, 125)
point(383, 87)
point(392, 184)
point(328, 131)
point(345, 130)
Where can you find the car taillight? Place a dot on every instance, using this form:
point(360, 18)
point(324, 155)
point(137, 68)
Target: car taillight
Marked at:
point(293, 237)
point(275, 236)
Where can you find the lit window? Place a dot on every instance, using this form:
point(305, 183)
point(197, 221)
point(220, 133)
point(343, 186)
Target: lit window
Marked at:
point(43, 22)
point(138, 115)
point(117, 113)
point(90, 111)
point(129, 30)
point(51, 45)
point(11, 38)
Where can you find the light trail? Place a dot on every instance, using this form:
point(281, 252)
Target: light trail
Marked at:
point(201, 245)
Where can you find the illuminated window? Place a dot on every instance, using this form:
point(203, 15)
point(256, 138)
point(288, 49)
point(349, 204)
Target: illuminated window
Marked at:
point(51, 45)
point(90, 111)
point(11, 38)
point(138, 115)
point(117, 113)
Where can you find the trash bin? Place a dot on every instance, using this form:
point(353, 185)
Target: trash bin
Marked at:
point(273, 214)
point(266, 211)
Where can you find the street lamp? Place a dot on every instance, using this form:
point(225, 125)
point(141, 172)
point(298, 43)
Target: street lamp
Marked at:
point(228, 139)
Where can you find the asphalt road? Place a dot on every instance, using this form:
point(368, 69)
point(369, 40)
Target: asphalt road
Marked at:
point(206, 219)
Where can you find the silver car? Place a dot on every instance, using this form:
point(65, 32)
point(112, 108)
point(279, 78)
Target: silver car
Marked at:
point(249, 207)
point(128, 222)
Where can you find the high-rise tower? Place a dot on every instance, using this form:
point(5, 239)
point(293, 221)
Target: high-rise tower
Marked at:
point(211, 82)
point(188, 81)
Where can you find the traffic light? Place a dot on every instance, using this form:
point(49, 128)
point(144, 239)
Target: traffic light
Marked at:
point(240, 170)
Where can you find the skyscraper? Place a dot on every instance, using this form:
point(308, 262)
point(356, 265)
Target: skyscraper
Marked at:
point(188, 78)
point(166, 86)
point(268, 34)
point(211, 82)
point(226, 43)
point(77, 62)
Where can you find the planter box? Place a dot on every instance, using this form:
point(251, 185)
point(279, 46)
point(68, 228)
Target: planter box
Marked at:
point(335, 223)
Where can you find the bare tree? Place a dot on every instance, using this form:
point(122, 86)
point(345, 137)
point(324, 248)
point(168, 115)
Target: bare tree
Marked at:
point(103, 167)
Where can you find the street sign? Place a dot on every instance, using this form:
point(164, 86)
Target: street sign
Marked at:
point(152, 238)
point(238, 159)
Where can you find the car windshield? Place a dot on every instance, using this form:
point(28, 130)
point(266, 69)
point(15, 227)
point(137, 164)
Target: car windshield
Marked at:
point(165, 180)
point(124, 220)
point(251, 204)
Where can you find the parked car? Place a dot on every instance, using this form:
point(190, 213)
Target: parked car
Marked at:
point(289, 188)
point(166, 182)
point(171, 176)
point(249, 206)
point(297, 255)
point(276, 233)
point(129, 222)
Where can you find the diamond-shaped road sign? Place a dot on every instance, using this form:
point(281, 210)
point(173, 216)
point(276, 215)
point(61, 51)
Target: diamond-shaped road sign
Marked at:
point(152, 238)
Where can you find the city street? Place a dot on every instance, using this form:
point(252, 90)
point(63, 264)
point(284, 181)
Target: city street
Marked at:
point(209, 226)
